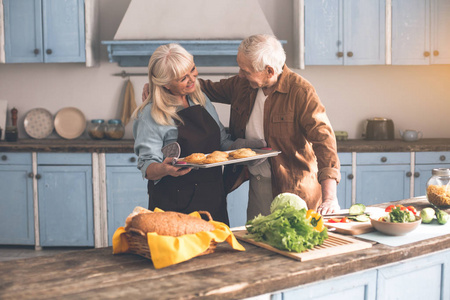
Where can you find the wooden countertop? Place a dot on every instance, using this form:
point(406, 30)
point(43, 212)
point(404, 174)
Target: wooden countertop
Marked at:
point(126, 146)
point(224, 274)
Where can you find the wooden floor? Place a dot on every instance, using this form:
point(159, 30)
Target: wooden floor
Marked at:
point(19, 252)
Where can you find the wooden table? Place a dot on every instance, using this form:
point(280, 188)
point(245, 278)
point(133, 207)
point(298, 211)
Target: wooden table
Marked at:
point(225, 274)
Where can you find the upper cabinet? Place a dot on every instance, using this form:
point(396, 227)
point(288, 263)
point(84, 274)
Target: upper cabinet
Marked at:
point(49, 31)
point(345, 32)
point(420, 32)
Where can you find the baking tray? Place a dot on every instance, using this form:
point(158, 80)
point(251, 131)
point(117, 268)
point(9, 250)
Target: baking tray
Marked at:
point(260, 153)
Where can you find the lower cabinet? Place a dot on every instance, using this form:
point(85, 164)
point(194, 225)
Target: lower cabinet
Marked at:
point(382, 177)
point(237, 202)
point(424, 277)
point(65, 199)
point(125, 189)
point(344, 188)
point(16, 199)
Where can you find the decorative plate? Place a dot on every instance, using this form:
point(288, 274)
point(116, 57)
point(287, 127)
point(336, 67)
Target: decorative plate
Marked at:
point(38, 123)
point(70, 122)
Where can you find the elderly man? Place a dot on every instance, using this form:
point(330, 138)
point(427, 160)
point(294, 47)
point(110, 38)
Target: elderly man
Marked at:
point(270, 102)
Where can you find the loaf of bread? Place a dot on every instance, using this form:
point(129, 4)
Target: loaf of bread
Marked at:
point(169, 223)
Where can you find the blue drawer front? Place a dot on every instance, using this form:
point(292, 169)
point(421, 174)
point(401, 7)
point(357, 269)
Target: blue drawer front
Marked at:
point(64, 158)
point(383, 158)
point(8, 158)
point(121, 159)
point(432, 157)
point(345, 158)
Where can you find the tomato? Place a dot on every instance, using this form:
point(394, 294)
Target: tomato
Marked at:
point(389, 208)
point(403, 208)
point(344, 220)
point(412, 209)
point(334, 220)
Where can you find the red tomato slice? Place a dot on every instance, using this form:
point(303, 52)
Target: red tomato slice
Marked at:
point(389, 208)
point(345, 220)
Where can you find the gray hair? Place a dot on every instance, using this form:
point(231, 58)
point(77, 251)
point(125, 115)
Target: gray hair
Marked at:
point(263, 50)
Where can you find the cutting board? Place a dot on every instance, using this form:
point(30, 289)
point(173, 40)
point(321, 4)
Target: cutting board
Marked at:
point(333, 245)
point(352, 228)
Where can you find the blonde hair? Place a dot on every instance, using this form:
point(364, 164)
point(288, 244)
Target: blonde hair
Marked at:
point(263, 50)
point(168, 62)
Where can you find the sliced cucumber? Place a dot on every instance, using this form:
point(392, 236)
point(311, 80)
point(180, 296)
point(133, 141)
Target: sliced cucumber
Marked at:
point(362, 218)
point(357, 209)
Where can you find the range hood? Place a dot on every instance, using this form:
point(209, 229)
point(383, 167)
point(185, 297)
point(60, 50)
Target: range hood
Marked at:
point(211, 30)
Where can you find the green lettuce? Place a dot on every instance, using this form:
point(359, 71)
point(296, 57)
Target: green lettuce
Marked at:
point(286, 229)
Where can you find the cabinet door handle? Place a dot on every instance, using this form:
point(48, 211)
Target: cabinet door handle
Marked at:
point(426, 54)
point(36, 51)
point(49, 51)
point(38, 176)
point(340, 54)
point(30, 175)
point(436, 53)
point(132, 159)
point(4, 157)
point(408, 174)
point(416, 174)
point(350, 176)
point(384, 159)
point(350, 54)
point(442, 158)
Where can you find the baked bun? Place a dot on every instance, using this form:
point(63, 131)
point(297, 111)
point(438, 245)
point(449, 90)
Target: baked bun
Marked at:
point(195, 158)
point(216, 156)
point(169, 223)
point(137, 210)
point(242, 153)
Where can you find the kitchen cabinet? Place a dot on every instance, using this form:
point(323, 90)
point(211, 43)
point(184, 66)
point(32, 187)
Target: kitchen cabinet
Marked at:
point(420, 32)
point(345, 32)
point(237, 202)
point(344, 188)
point(382, 177)
point(16, 200)
point(125, 189)
point(425, 163)
point(64, 183)
point(44, 31)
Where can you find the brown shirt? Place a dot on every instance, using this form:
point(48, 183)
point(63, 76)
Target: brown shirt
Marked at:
point(295, 123)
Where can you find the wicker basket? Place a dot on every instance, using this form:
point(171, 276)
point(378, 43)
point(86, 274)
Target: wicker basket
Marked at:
point(137, 241)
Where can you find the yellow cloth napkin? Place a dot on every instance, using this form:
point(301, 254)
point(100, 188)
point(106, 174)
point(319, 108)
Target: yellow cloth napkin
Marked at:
point(129, 104)
point(167, 250)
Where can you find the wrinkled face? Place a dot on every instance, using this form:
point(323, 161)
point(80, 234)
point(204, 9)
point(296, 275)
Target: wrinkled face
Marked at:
point(185, 84)
point(256, 79)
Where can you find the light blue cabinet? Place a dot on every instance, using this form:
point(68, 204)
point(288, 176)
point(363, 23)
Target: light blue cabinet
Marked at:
point(65, 199)
point(425, 163)
point(345, 32)
point(382, 177)
point(16, 199)
point(237, 202)
point(47, 31)
point(125, 189)
point(344, 188)
point(420, 34)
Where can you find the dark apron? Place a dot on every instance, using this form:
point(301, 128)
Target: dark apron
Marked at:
point(200, 189)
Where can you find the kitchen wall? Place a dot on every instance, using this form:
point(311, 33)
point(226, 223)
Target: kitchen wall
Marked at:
point(416, 97)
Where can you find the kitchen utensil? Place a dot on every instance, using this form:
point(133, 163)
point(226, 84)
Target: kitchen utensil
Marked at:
point(390, 228)
point(11, 133)
point(172, 150)
point(70, 123)
point(379, 129)
point(351, 228)
point(333, 245)
point(38, 123)
point(3, 113)
point(410, 135)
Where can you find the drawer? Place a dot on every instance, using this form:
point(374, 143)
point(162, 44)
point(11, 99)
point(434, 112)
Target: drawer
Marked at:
point(432, 158)
point(383, 158)
point(9, 158)
point(121, 159)
point(345, 158)
point(64, 158)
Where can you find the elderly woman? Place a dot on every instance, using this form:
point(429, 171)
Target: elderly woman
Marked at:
point(176, 110)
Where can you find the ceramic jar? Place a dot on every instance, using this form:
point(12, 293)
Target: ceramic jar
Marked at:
point(438, 187)
point(96, 129)
point(114, 129)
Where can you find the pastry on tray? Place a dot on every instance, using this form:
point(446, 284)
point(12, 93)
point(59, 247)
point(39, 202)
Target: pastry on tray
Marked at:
point(215, 157)
point(195, 158)
point(242, 153)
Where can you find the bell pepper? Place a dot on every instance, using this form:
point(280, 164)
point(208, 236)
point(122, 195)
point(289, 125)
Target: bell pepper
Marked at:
point(315, 219)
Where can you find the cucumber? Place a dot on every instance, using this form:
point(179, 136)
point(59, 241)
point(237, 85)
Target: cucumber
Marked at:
point(362, 218)
point(357, 209)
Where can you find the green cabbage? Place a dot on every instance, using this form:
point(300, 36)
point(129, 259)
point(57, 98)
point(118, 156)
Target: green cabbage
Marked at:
point(286, 229)
point(284, 199)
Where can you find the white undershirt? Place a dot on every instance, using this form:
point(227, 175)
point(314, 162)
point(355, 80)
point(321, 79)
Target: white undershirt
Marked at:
point(255, 130)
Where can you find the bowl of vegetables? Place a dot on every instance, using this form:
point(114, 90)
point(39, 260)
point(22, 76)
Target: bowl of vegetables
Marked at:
point(397, 220)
